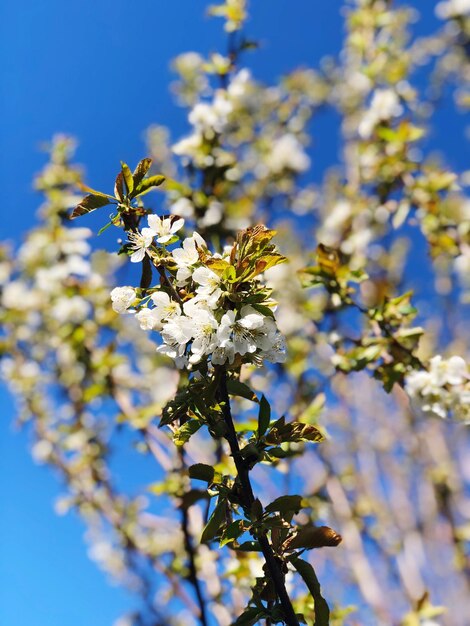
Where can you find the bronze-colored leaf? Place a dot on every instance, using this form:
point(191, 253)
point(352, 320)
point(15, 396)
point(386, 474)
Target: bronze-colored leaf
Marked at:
point(88, 189)
point(310, 537)
point(89, 204)
point(141, 170)
point(119, 187)
point(328, 259)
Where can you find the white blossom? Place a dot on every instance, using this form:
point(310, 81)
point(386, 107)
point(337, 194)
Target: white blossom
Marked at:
point(238, 87)
point(213, 214)
point(122, 298)
point(385, 105)
point(177, 331)
point(204, 328)
point(211, 116)
point(148, 320)
point(277, 352)
point(208, 281)
point(189, 146)
point(443, 390)
point(164, 227)
point(74, 309)
point(165, 308)
point(240, 332)
point(202, 300)
point(287, 153)
point(452, 8)
point(183, 207)
point(185, 257)
point(140, 243)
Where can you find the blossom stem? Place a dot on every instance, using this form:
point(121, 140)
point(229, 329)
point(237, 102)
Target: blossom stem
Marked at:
point(272, 563)
point(172, 290)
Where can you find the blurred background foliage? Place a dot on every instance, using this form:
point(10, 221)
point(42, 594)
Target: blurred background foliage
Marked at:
point(363, 153)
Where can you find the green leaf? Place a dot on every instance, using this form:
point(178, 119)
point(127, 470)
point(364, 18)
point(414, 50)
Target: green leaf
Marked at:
point(89, 204)
point(87, 189)
point(192, 496)
point(232, 532)
point(128, 178)
point(256, 510)
point(230, 274)
point(207, 473)
point(264, 416)
point(249, 617)
point(249, 546)
point(218, 266)
point(322, 611)
point(285, 504)
point(264, 310)
point(148, 183)
point(237, 388)
point(141, 170)
point(216, 520)
point(147, 273)
point(185, 432)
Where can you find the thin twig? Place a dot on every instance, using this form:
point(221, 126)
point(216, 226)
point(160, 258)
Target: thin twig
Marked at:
point(193, 577)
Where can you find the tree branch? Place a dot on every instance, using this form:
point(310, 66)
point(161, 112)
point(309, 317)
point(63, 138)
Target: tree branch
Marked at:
point(248, 499)
point(191, 553)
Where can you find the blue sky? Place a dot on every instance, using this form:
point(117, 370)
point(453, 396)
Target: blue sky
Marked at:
point(100, 70)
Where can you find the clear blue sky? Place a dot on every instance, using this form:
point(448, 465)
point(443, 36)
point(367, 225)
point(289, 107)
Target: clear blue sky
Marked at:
point(100, 70)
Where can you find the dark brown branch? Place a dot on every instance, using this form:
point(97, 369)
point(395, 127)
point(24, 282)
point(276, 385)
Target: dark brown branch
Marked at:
point(193, 577)
point(248, 498)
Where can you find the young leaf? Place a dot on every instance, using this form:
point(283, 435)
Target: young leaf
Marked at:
point(264, 310)
point(249, 546)
point(128, 178)
point(89, 204)
point(207, 473)
point(322, 611)
point(216, 520)
point(146, 276)
point(310, 537)
point(328, 259)
point(264, 416)
point(141, 170)
point(285, 504)
point(186, 431)
point(237, 388)
point(87, 189)
point(148, 183)
point(249, 617)
point(119, 187)
point(232, 532)
point(293, 431)
point(218, 266)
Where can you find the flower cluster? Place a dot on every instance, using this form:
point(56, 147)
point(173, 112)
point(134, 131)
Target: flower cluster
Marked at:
point(384, 106)
point(444, 390)
point(208, 305)
point(453, 8)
